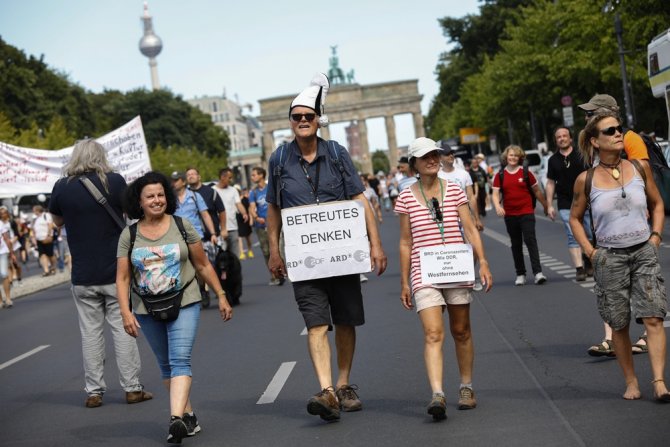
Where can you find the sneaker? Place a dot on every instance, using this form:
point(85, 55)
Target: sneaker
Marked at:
point(466, 399)
point(243, 256)
point(250, 254)
point(348, 398)
point(177, 430)
point(192, 426)
point(93, 401)
point(477, 287)
point(274, 282)
point(324, 404)
point(438, 407)
point(520, 280)
point(540, 278)
point(134, 397)
point(364, 278)
point(580, 274)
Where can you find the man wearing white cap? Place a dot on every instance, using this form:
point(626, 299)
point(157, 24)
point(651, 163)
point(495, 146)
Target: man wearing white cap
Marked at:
point(304, 172)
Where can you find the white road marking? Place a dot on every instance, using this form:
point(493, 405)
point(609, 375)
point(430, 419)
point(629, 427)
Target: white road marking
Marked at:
point(23, 356)
point(276, 384)
point(554, 264)
point(562, 270)
point(304, 331)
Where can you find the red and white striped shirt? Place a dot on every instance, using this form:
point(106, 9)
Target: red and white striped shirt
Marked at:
point(425, 232)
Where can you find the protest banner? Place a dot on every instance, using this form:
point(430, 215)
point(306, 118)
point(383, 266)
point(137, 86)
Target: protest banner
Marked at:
point(447, 266)
point(33, 171)
point(329, 239)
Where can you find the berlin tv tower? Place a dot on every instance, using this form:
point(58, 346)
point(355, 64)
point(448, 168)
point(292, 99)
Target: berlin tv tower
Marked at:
point(150, 46)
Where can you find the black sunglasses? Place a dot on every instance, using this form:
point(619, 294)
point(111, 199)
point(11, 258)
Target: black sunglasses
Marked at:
point(590, 113)
point(435, 210)
point(297, 117)
point(612, 130)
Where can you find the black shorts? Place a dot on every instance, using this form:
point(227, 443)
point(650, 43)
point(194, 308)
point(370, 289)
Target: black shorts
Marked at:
point(45, 249)
point(338, 298)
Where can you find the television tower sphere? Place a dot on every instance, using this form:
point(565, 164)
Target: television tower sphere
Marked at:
point(151, 45)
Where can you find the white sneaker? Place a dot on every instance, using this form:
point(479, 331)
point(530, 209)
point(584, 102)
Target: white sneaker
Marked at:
point(540, 278)
point(364, 278)
point(520, 280)
point(477, 287)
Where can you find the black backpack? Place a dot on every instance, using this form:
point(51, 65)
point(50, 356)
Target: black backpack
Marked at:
point(659, 169)
point(526, 179)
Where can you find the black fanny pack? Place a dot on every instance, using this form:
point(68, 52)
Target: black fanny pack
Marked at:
point(164, 306)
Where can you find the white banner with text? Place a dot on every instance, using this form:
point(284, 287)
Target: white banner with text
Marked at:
point(329, 239)
point(33, 171)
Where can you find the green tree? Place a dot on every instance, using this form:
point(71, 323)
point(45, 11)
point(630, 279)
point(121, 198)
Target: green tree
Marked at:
point(380, 161)
point(7, 131)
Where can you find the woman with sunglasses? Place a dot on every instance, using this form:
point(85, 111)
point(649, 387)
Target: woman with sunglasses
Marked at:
point(518, 210)
point(622, 195)
point(430, 211)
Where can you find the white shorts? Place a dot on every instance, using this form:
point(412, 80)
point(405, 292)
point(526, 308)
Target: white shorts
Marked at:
point(431, 297)
point(4, 265)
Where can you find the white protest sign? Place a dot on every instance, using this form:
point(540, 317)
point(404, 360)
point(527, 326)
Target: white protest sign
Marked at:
point(33, 171)
point(445, 265)
point(329, 239)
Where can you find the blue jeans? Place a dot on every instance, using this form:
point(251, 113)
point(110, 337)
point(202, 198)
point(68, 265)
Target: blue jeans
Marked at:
point(172, 343)
point(565, 217)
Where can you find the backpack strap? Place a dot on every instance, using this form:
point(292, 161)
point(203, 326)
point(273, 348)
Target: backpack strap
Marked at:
point(335, 158)
point(640, 170)
point(180, 225)
point(279, 168)
point(587, 192)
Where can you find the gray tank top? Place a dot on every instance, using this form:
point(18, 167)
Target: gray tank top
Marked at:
point(620, 222)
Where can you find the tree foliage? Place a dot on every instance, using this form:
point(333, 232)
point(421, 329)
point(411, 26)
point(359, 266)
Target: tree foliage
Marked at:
point(546, 50)
point(380, 162)
point(41, 108)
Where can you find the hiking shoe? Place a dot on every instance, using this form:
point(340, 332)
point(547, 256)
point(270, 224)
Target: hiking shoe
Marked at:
point(520, 280)
point(466, 399)
point(192, 426)
point(324, 404)
point(93, 401)
point(540, 278)
point(135, 397)
point(177, 430)
point(348, 398)
point(438, 407)
point(477, 287)
point(580, 274)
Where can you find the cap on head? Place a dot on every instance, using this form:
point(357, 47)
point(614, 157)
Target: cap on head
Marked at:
point(314, 96)
point(422, 146)
point(176, 175)
point(445, 149)
point(600, 101)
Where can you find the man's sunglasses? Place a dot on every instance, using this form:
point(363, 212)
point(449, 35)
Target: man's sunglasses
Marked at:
point(435, 211)
point(590, 113)
point(297, 117)
point(612, 130)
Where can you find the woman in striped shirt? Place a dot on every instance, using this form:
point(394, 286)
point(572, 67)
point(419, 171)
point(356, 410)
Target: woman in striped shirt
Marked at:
point(429, 212)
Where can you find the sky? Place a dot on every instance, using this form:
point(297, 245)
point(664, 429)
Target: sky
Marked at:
point(248, 49)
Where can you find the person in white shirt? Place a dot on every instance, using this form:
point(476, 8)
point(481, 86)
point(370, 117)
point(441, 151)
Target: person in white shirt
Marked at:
point(43, 231)
point(233, 204)
point(6, 255)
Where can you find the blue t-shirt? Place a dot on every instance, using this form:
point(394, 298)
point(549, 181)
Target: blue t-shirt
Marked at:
point(190, 209)
point(257, 196)
point(296, 189)
point(92, 234)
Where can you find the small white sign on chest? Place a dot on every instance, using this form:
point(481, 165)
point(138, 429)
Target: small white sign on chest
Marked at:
point(447, 265)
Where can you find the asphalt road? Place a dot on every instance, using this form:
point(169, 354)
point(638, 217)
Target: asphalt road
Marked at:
point(535, 384)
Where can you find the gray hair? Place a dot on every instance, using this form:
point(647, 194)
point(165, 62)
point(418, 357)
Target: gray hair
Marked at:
point(88, 156)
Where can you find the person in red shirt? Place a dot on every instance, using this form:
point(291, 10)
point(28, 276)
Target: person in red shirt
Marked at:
point(518, 211)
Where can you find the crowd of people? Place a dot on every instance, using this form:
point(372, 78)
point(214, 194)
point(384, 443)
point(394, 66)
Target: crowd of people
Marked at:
point(154, 276)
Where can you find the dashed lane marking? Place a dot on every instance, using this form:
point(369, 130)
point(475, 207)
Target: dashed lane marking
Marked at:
point(23, 356)
point(276, 384)
point(304, 331)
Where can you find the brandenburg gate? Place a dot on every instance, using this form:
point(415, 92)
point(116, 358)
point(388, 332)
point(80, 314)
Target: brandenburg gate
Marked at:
point(352, 102)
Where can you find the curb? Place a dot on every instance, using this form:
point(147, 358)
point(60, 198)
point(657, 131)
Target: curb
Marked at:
point(37, 283)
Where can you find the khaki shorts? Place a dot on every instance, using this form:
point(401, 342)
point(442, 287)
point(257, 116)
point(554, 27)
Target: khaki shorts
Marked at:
point(431, 297)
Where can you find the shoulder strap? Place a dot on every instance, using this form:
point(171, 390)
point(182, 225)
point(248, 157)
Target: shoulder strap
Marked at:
point(335, 157)
point(587, 192)
point(640, 169)
point(180, 226)
point(133, 235)
point(279, 167)
point(97, 195)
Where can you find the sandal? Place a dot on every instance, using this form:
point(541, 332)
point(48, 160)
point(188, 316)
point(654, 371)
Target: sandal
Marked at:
point(604, 349)
point(640, 348)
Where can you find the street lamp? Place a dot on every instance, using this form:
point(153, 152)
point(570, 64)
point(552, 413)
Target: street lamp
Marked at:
point(627, 96)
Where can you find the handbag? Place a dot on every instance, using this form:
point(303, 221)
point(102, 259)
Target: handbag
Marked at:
point(164, 306)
